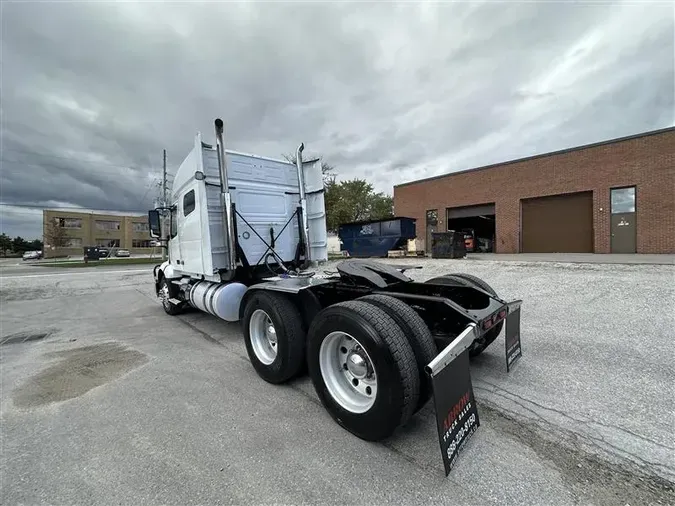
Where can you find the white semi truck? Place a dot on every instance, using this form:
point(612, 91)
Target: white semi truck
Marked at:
point(246, 240)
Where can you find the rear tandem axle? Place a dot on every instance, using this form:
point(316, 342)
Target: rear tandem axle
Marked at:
point(377, 345)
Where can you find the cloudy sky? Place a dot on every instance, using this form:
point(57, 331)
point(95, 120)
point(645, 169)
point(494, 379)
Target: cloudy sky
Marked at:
point(92, 92)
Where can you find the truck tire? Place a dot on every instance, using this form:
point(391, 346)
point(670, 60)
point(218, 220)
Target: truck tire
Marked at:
point(363, 369)
point(478, 346)
point(274, 335)
point(164, 296)
point(476, 281)
point(417, 333)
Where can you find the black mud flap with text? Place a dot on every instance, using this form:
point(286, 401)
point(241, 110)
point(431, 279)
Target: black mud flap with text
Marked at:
point(512, 337)
point(456, 413)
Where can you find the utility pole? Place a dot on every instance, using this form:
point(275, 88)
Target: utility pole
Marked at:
point(164, 201)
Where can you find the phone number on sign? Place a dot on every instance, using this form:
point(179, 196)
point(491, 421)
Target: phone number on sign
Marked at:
point(465, 430)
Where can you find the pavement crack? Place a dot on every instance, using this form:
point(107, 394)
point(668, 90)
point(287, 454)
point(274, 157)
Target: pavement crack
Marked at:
point(587, 474)
point(431, 471)
point(635, 434)
point(205, 335)
point(587, 422)
point(526, 408)
point(144, 294)
point(598, 441)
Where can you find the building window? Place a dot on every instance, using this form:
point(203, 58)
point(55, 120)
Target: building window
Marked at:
point(188, 202)
point(141, 227)
point(74, 242)
point(69, 222)
point(140, 243)
point(623, 200)
point(108, 243)
point(107, 225)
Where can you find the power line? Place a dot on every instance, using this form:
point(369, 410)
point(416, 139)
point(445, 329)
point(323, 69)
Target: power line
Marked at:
point(43, 165)
point(150, 185)
point(23, 213)
point(68, 209)
point(72, 159)
point(19, 205)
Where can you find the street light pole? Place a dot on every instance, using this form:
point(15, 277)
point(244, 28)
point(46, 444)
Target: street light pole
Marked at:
point(164, 200)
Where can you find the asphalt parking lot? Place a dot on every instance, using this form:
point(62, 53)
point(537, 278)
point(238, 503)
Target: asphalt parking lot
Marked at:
point(106, 399)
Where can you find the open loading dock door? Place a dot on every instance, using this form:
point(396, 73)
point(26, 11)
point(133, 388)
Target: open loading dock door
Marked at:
point(478, 225)
point(557, 224)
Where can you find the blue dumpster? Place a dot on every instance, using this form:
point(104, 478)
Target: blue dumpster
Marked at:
point(375, 238)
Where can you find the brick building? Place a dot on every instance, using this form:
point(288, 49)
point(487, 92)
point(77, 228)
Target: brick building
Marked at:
point(616, 196)
point(85, 227)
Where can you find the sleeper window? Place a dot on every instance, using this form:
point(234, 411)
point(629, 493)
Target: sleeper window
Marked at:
point(188, 202)
point(174, 222)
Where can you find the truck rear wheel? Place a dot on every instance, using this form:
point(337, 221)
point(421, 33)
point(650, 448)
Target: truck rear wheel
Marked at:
point(478, 346)
point(274, 335)
point(417, 333)
point(363, 369)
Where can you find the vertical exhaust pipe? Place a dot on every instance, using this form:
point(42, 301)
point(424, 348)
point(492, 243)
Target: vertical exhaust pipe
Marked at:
point(303, 201)
point(226, 200)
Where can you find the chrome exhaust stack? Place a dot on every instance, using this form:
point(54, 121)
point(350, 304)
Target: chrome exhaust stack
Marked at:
point(226, 200)
point(303, 201)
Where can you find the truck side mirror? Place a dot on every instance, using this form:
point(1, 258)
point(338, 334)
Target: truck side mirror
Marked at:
point(155, 225)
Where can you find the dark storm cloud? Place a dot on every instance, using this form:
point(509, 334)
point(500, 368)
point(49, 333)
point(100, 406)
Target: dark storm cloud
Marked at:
point(92, 92)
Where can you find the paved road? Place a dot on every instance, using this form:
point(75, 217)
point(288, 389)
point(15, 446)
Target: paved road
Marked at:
point(11, 268)
point(120, 403)
point(581, 258)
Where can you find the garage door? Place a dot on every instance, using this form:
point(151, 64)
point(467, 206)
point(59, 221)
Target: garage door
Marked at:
point(558, 224)
point(470, 211)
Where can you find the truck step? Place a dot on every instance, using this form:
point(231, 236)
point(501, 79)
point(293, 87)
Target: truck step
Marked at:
point(175, 302)
point(176, 281)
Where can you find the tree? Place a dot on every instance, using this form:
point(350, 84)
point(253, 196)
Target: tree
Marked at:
point(55, 235)
point(382, 206)
point(19, 245)
point(5, 244)
point(35, 245)
point(355, 200)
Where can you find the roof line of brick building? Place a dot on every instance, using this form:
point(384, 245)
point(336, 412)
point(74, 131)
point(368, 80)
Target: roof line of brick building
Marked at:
point(81, 210)
point(543, 155)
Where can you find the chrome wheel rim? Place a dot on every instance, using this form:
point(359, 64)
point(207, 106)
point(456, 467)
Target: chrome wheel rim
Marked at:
point(164, 295)
point(348, 372)
point(263, 337)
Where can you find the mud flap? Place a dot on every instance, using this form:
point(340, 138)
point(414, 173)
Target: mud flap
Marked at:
point(512, 338)
point(456, 413)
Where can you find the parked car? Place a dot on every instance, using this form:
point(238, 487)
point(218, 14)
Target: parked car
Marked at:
point(32, 255)
point(122, 253)
point(103, 252)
